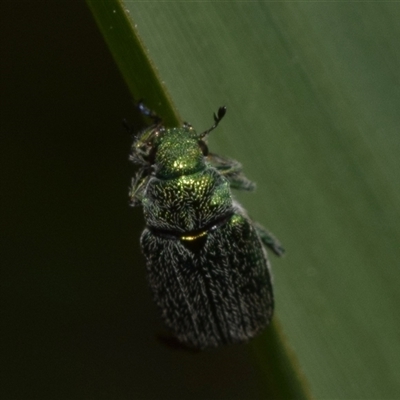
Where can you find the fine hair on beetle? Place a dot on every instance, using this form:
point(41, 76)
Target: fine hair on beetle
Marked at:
point(206, 259)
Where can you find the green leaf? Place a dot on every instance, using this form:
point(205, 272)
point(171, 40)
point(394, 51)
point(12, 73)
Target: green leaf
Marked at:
point(136, 67)
point(313, 115)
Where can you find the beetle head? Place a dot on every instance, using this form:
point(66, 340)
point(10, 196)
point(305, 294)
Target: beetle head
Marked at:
point(180, 151)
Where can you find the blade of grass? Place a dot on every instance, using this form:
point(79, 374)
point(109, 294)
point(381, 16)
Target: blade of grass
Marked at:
point(131, 57)
point(282, 377)
point(314, 92)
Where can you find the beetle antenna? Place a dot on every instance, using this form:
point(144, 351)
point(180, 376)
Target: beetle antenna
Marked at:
point(144, 111)
point(148, 113)
point(217, 119)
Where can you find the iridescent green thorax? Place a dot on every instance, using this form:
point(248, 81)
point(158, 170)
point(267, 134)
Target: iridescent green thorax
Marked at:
point(187, 203)
point(178, 153)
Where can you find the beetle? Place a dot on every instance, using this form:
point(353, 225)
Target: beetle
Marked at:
point(206, 262)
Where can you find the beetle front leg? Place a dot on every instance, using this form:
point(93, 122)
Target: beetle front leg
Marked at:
point(137, 188)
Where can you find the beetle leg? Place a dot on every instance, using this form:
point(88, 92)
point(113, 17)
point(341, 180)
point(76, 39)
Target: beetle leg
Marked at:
point(269, 239)
point(137, 188)
point(149, 113)
point(232, 170)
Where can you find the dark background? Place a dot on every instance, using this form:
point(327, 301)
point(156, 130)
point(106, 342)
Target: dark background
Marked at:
point(78, 320)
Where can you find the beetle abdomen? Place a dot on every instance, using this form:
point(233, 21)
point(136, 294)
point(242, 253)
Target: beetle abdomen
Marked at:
point(212, 288)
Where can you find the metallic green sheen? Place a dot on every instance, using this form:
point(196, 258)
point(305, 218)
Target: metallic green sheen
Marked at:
point(206, 263)
point(188, 202)
point(178, 154)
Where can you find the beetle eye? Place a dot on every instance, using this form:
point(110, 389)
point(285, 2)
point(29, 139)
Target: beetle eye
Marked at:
point(203, 147)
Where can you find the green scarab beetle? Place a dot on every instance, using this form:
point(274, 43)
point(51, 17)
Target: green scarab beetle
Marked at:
point(206, 263)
